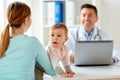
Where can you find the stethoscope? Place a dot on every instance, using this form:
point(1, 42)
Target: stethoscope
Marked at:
point(96, 37)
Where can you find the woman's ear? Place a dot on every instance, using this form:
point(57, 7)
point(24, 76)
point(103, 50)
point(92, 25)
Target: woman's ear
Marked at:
point(27, 21)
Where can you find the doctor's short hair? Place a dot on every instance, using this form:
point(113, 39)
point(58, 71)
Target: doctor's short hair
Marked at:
point(89, 6)
point(60, 25)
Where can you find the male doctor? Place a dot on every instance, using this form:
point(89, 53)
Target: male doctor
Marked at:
point(87, 29)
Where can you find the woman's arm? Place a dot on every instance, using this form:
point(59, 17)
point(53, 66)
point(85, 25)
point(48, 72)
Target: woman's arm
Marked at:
point(43, 59)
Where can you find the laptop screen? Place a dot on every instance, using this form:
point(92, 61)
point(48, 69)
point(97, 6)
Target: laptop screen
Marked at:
point(93, 52)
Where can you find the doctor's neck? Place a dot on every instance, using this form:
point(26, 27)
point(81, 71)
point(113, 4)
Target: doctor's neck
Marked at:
point(89, 31)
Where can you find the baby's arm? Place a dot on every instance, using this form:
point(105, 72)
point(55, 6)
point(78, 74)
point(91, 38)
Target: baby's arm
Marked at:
point(66, 63)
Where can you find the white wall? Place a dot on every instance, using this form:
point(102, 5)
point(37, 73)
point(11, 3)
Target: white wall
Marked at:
point(108, 10)
point(111, 18)
point(36, 27)
point(36, 8)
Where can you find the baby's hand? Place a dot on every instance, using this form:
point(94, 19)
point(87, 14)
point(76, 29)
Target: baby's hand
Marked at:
point(67, 74)
point(70, 72)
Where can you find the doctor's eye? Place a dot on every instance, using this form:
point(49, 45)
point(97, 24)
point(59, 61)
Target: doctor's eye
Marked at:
point(90, 15)
point(83, 15)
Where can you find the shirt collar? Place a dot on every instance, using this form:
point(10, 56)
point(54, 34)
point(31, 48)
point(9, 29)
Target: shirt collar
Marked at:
point(87, 36)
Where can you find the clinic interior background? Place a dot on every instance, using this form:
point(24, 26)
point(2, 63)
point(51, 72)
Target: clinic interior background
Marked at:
point(108, 11)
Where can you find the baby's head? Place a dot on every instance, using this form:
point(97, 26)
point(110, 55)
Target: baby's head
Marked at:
point(58, 35)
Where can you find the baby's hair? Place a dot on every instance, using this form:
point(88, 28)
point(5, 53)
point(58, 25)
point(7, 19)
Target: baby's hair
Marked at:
point(60, 25)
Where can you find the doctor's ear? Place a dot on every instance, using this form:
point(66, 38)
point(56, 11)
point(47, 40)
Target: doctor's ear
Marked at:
point(97, 19)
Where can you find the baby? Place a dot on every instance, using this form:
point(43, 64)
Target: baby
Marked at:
point(57, 51)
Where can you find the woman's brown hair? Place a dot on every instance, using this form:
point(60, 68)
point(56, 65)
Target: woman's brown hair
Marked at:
point(16, 14)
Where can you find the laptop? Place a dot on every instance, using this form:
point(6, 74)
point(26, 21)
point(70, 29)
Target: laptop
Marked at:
point(93, 53)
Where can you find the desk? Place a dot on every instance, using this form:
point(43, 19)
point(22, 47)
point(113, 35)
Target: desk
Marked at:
point(94, 73)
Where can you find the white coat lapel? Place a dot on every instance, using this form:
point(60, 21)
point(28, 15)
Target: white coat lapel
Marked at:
point(81, 35)
point(94, 34)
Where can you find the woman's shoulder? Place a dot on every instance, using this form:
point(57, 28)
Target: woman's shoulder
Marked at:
point(32, 38)
point(24, 38)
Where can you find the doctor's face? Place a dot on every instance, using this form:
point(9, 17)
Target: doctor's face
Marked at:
point(57, 37)
point(88, 18)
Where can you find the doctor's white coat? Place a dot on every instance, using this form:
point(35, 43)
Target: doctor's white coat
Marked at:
point(77, 34)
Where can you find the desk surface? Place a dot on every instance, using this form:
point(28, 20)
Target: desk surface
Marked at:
point(94, 73)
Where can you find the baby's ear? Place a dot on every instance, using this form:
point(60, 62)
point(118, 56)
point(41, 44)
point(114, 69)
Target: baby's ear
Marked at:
point(66, 39)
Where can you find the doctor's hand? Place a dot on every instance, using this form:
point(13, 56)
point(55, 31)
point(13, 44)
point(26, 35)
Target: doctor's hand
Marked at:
point(72, 58)
point(113, 60)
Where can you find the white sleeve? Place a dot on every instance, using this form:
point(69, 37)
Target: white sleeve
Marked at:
point(54, 58)
point(105, 36)
point(66, 60)
point(71, 41)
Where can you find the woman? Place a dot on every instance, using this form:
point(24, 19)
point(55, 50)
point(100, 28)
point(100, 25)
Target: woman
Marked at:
point(19, 52)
